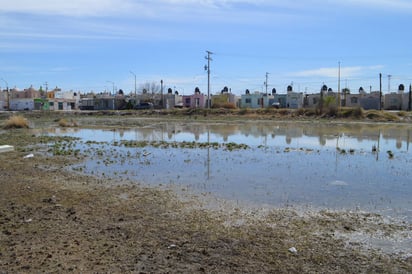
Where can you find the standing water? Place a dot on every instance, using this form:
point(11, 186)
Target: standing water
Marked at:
point(336, 166)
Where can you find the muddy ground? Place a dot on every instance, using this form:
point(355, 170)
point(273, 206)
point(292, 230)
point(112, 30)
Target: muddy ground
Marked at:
point(56, 221)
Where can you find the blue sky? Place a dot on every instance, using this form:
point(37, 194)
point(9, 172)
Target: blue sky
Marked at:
point(87, 45)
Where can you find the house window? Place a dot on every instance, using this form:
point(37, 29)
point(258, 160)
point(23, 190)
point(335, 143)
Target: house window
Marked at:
point(315, 101)
point(248, 100)
point(354, 100)
point(187, 100)
point(197, 102)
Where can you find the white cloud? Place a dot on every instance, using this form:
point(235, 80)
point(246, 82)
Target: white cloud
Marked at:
point(345, 72)
point(69, 8)
point(170, 8)
point(401, 5)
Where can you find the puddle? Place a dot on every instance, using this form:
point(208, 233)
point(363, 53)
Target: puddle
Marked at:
point(335, 166)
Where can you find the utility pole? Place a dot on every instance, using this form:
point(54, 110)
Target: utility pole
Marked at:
point(410, 97)
point(339, 100)
point(135, 90)
point(47, 88)
point(266, 83)
point(389, 83)
point(161, 93)
point(207, 67)
point(380, 91)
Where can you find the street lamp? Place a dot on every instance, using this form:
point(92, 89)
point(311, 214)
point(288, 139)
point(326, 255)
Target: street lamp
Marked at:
point(135, 96)
point(8, 95)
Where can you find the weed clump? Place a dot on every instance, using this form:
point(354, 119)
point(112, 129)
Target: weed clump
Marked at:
point(65, 123)
point(356, 112)
point(16, 121)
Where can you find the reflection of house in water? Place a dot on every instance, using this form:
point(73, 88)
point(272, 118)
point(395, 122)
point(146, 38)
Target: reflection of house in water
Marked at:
point(225, 131)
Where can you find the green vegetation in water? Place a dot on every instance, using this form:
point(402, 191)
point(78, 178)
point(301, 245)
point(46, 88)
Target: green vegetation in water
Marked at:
point(184, 144)
point(64, 149)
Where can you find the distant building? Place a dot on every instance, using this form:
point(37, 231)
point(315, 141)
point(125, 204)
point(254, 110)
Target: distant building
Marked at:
point(255, 100)
point(294, 100)
point(22, 104)
point(278, 100)
point(197, 100)
point(172, 100)
point(223, 98)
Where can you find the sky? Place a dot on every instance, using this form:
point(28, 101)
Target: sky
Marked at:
point(101, 45)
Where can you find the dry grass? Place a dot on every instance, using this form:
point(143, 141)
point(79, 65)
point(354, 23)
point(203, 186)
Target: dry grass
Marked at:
point(16, 121)
point(65, 123)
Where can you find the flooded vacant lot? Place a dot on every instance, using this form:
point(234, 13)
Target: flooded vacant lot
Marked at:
point(335, 166)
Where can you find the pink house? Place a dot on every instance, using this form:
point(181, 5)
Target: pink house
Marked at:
point(196, 100)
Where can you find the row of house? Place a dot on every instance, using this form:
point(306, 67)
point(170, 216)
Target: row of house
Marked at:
point(32, 99)
point(399, 100)
point(56, 99)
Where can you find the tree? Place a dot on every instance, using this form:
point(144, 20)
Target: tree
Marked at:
point(41, 91)
point(152, 87)
point(225, 89)
point(247, 91)
point(273, 91)
point(197, 90)
point(169, 90)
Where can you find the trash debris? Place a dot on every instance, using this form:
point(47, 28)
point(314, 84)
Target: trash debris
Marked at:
point(171, 246)
point(293, 250)
point(6, 148)
point(31, 155)
point(28, 220)
point(146, 154)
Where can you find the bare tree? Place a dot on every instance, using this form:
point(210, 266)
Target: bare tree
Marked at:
point(150, 87)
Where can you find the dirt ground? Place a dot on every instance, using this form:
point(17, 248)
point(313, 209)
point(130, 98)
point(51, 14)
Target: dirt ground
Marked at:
point(56, 221)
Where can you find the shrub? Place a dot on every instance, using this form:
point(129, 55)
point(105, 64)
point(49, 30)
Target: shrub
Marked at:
point(356, 112)
point(244, 111)
point(332, 111)
point(229, 106)
point(402, 113)
point(382, 116)
point(284, 111)
point(16, 121)
point(300, 112)
point(310, 112)
point(64, 123)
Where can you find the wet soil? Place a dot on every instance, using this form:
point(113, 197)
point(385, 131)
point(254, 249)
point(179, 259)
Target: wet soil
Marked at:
point(57, 221)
